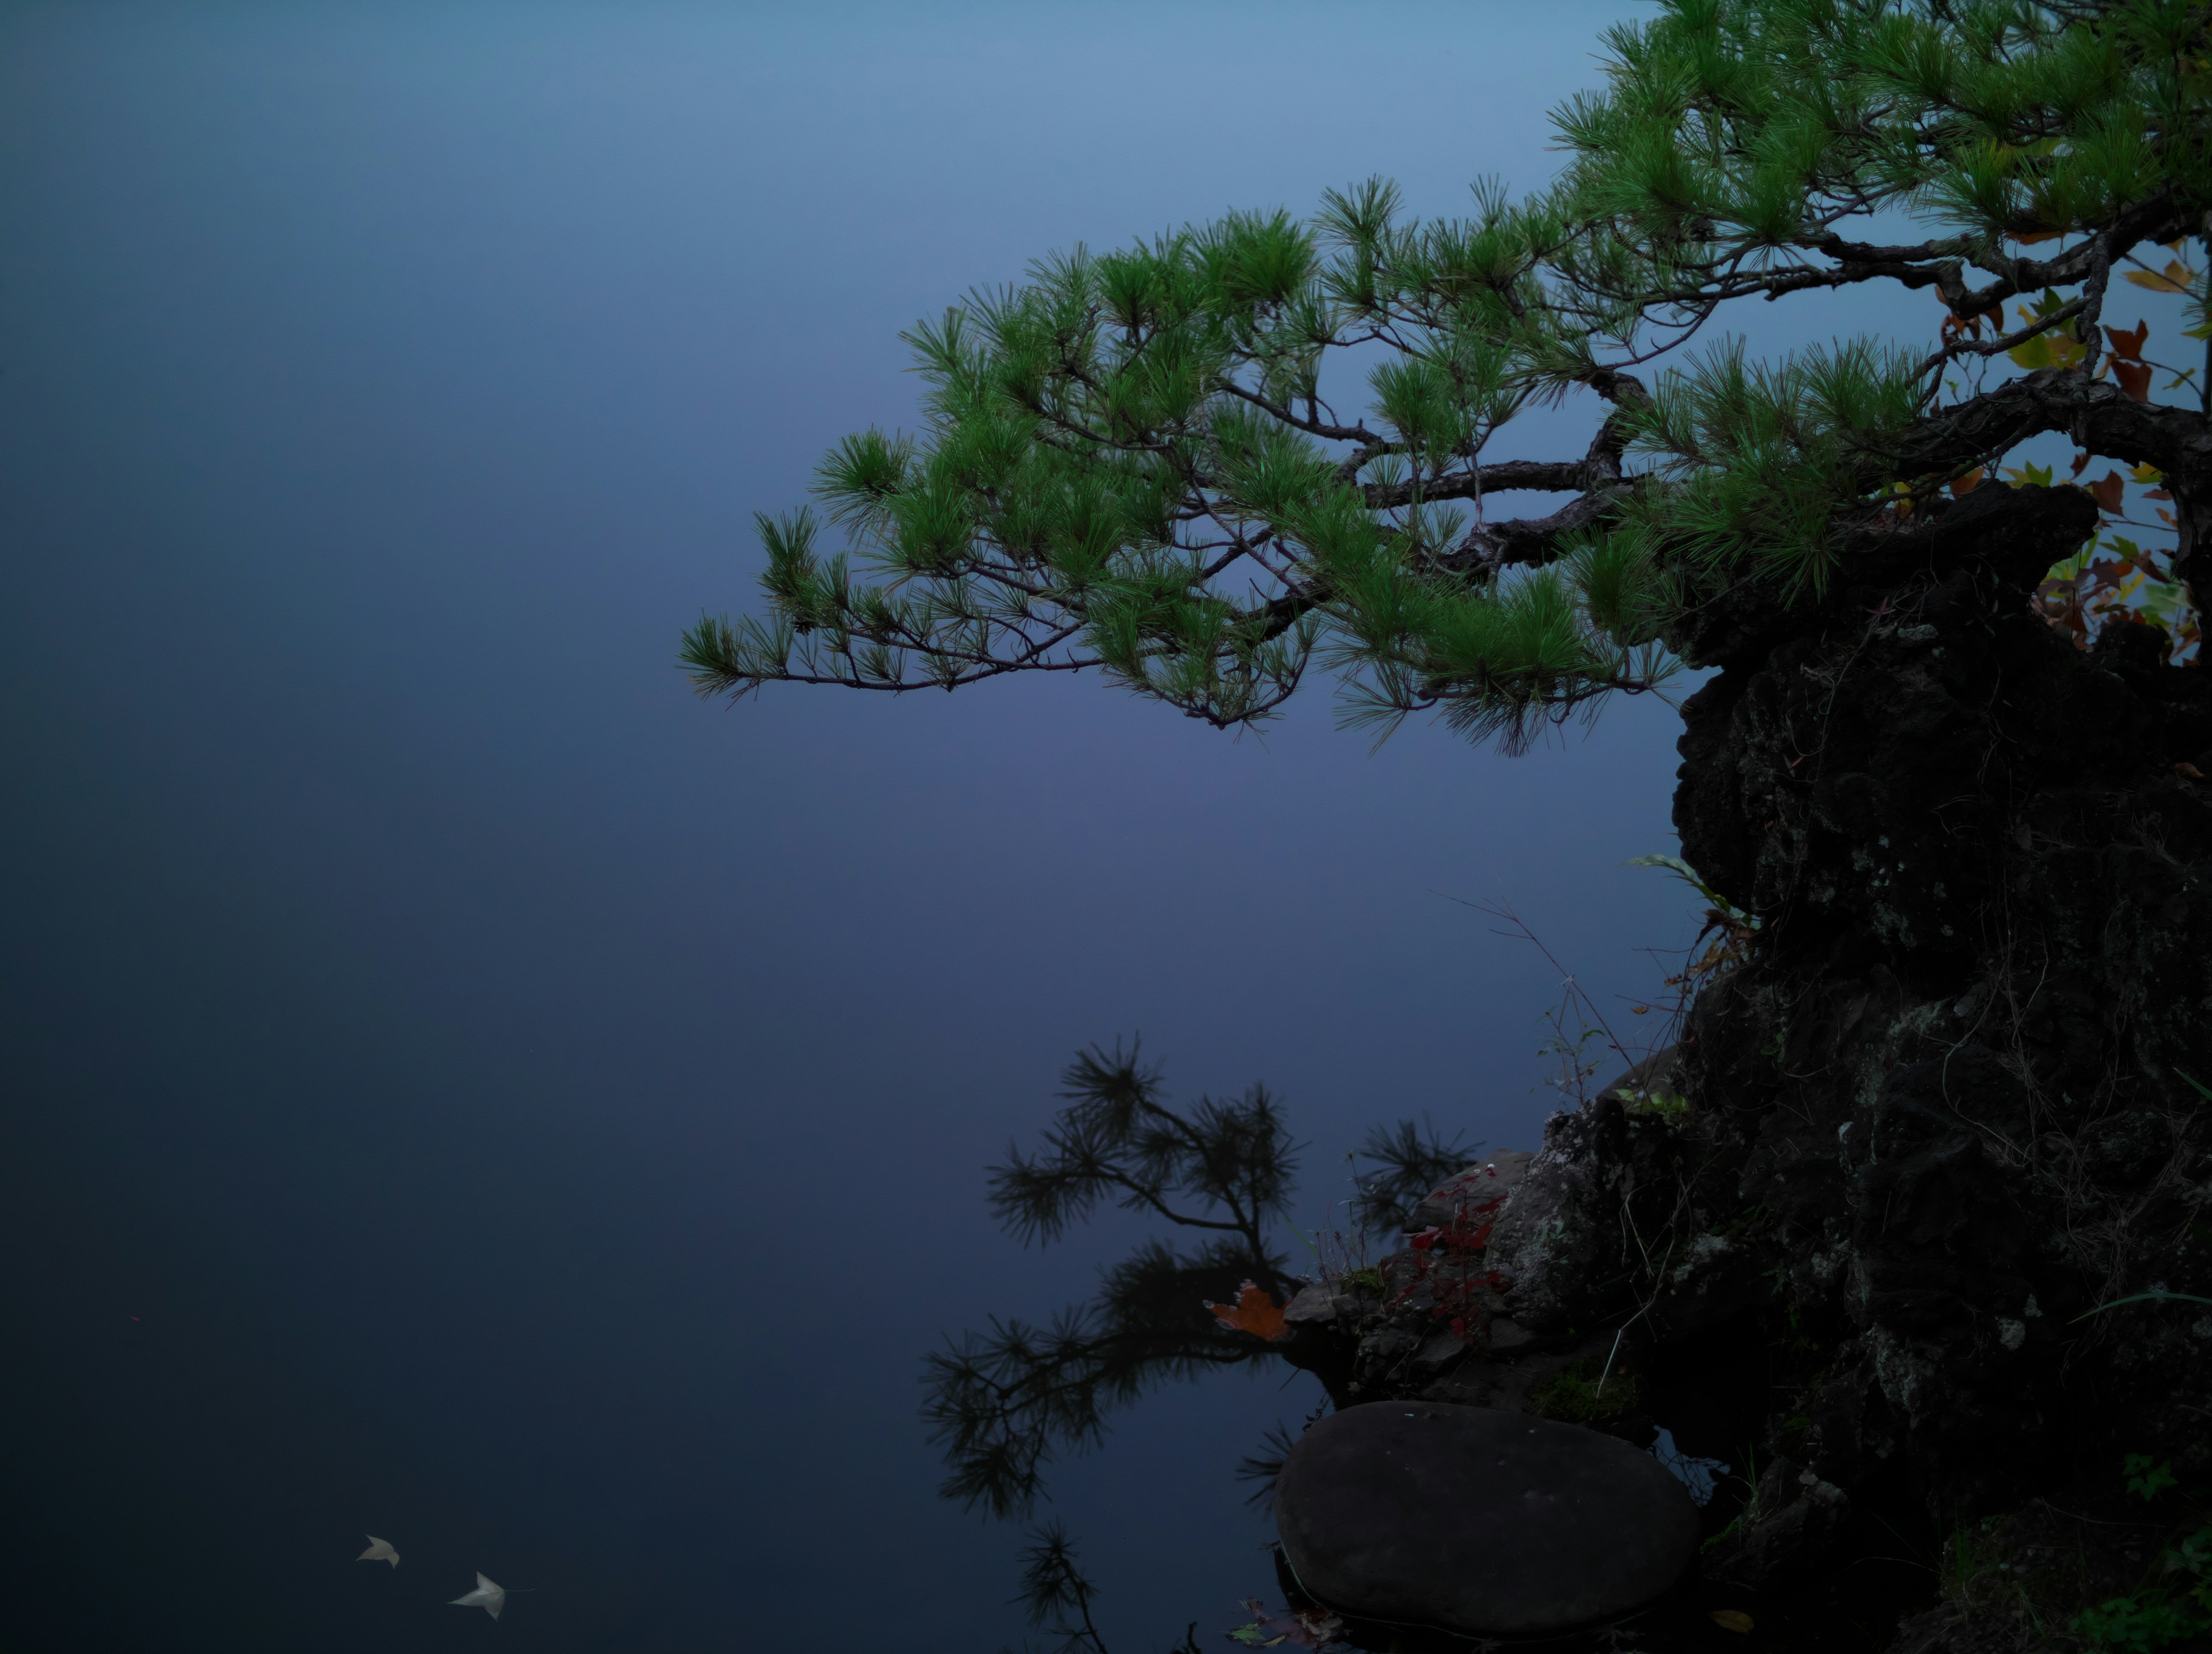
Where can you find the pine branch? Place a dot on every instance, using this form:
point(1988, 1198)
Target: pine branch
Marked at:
point(1128, 464)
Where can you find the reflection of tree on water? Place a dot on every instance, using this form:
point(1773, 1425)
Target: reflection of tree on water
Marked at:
point(1002, 1401)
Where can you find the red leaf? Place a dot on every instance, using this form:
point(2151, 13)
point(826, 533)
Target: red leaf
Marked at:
point(2129, 346)
point(1252, 1312)
point(2134, 377)
point(2081, 462)
point(2110, 492)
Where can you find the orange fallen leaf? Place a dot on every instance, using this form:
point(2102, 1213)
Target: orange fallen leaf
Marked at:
point(1962, 486)
point(2188, 771)
point(1731, 1619)
point(1252, 1312)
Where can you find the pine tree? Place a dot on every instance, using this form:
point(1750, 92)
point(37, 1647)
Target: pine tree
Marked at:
point(1939, 1156)
point(1130, 462)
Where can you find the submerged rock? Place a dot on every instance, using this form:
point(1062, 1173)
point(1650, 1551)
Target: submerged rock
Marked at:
point(1481, 1521)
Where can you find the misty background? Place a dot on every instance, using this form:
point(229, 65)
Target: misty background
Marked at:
point(462, 1088)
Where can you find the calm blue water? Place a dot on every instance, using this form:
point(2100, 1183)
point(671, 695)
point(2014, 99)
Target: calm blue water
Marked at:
point(460, 1087)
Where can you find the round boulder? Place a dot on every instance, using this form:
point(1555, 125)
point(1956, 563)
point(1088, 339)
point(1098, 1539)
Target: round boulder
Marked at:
point(1489, 1523)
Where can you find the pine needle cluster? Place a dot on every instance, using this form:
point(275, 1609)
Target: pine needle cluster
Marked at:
point(1133, 461)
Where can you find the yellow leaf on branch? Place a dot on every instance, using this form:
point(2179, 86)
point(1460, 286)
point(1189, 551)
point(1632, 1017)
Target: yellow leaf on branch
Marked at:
point(2176, 277)
point(2048, 350)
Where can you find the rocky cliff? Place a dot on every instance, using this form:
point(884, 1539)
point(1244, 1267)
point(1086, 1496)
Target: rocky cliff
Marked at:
point(1905, 1228)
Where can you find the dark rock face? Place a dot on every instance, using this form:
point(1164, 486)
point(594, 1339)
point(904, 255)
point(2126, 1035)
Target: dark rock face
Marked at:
point(1481, 1522)
point(1942, 1099)
point(1925, 1126)
point(1555, 1236)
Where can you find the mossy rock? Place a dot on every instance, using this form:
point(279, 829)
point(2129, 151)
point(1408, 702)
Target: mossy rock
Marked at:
point(1574, 1395)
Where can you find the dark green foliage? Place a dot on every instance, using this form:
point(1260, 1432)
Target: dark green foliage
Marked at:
point(1587, 1392)
point(2134, 1625)
point(1133, 461)
point(1761, 455)
point(2147, 1478)
point(2173, 1600)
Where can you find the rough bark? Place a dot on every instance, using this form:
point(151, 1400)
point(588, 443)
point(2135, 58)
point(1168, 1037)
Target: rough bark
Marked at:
point(1939, 1114)
point(1949, 1081)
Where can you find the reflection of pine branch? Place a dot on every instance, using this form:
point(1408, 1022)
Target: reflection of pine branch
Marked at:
point(1412, 1161)
point(1001, 1401)
point(1262, 1467)
point(1056, 1594)
point(1115, 1141)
